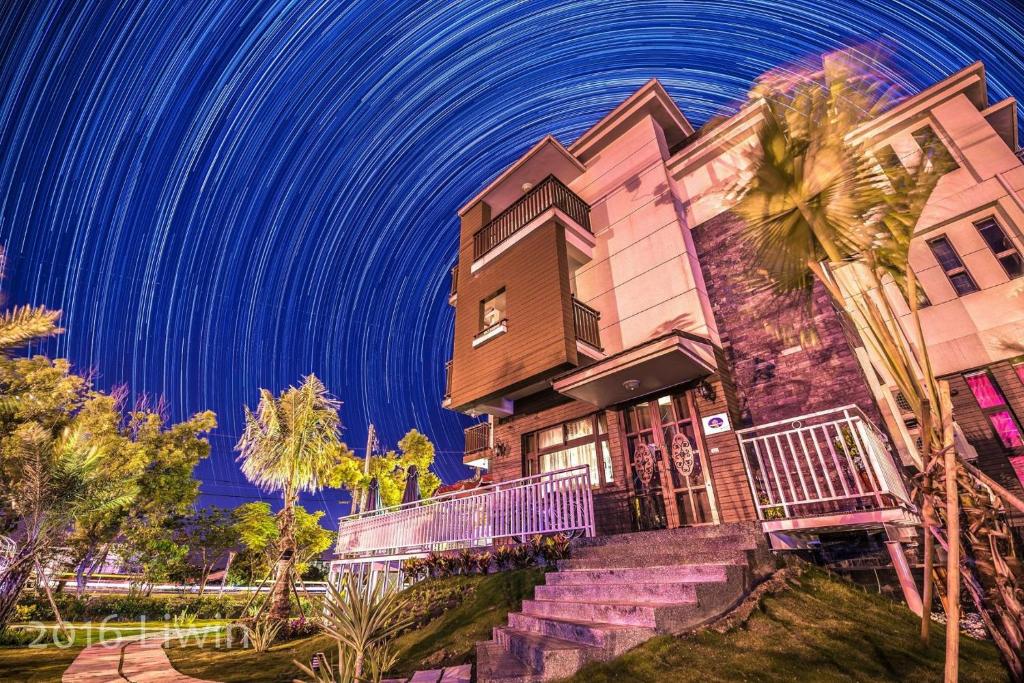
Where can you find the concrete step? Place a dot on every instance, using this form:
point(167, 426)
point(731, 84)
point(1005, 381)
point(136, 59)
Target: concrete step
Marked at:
point(651, 593)
point(680, 573)
point(652, 557)
point(671, 544)
point(613, 639)
point(550, 657)
point(495, 665)
point(616, 613)
point(748, 530)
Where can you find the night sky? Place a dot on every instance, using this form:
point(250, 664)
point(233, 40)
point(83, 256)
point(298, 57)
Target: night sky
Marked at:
point(224, 195)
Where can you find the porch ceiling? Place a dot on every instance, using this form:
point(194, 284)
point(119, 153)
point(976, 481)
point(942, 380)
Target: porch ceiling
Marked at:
point(666, 361)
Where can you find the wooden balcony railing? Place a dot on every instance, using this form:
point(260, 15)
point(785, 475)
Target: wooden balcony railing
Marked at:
point(833, 461)
point(478, 437)
point(585, 322)
point(550, 192)
point(455, 282)
point(448, 380)
point(550, 503)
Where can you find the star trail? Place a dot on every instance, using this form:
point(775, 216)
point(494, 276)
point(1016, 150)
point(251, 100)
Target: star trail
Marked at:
point(223, 195)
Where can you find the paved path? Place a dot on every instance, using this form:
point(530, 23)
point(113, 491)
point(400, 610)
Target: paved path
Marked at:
point(136, 659)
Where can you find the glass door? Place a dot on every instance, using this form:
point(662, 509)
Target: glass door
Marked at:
point(670, 479)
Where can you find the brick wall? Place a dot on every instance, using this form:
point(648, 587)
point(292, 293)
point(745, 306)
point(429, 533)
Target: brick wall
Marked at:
point(785, 360)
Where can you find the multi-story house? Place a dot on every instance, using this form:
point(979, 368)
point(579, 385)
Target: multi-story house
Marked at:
point(629, 378)
point(601, 310)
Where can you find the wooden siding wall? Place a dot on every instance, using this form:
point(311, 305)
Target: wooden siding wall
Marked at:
point(540, 339)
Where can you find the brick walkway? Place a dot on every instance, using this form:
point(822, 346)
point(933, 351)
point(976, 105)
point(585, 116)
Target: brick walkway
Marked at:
point(139, 660)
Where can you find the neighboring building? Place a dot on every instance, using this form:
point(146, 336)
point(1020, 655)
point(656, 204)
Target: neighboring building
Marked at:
point(601, 311)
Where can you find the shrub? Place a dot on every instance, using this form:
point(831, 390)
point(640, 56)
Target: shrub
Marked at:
point(131, 606)
point(298, 628)
point(260, 634)
point(18, 637)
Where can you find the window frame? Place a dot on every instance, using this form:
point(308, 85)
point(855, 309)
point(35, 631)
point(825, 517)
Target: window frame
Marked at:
point(959, 270)
point(916, 133)
point(532, 453)
point(1012, 251)
point(1005, 407)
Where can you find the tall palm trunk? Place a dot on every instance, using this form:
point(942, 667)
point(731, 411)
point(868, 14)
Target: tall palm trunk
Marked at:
point(280, 605)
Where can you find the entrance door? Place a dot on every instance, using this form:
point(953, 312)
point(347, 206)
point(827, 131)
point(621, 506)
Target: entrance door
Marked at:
point(670, 477)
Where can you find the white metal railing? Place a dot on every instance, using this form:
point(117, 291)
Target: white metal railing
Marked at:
point(547, 503)
point(830, 461)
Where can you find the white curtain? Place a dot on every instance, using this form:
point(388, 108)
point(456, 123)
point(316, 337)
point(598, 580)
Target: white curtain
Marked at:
point(571, 457)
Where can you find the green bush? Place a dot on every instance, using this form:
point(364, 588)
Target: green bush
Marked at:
point(129, 607)
point(18, 637)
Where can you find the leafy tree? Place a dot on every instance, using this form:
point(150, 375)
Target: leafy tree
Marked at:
point(391, 470)
point(291, 444)
point(209, 535)
point(821, 211)
point(57, 461)
point(258, 531)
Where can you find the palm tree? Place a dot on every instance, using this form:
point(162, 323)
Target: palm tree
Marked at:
point(290, 444)
point(819, 208)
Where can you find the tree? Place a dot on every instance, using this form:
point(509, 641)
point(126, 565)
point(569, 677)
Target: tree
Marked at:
point(819, 208)
point(391, 470)
point(289, 445)
point(209, 535)
point(56, 460)
point(257, 530)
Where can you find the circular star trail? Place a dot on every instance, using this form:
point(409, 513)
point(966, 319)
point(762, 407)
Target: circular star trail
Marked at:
point(223, 195)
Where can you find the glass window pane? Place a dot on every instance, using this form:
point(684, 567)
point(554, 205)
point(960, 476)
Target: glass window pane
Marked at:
point(606, 459)
point(571, 457)
point(643, 417)
point(530, 443)
point(962, 283)
point(602, 423)
point(944, 254)
point(577, 429)
point(682, 409)
point(550, 437)
point(1019, 367)
point(1007, 429)
point(1018, 467)
point(665, 409)
point(994, 236)
point(1013, 264)
point(985, 390)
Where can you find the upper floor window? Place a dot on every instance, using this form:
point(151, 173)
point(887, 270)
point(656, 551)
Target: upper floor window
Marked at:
point(1018, 367)
point(993, 404)
point(951, 264)
point(492, 310)
point(927, 139)
point(1001, 246)
point(577, 442)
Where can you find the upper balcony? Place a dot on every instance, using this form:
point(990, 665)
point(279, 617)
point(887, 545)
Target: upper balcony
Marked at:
point(548, 194)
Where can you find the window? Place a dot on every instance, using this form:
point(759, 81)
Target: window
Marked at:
point(951, 264)
point(993, 404)
point(1018, 367)
point(492, 310)
point(1001, 246)
point(929, 141)
point(578, 442)
point(890, 163)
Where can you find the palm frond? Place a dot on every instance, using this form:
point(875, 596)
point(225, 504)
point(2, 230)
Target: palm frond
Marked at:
point(23, 324)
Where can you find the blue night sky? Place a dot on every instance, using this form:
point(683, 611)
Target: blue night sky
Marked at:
point(224, 195)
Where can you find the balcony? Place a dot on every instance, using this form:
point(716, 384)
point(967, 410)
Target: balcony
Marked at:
point(478, 438)
point(585, 323)
point(448, 381)
point(554, 502)
point(825, 469)
point(549, 193)
point(454, 292)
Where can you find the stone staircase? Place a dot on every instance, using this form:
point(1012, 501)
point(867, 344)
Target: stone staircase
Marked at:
point(618, 591)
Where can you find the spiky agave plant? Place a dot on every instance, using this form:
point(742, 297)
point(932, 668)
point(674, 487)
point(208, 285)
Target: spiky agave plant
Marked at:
point(818, 208)
point(363, 619)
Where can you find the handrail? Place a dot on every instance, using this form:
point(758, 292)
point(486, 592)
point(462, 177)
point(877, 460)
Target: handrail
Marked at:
point(486, 488)
point(585, 321)
point(820, 462)
point(477, 437)
point(548, 193)
point(553, 502)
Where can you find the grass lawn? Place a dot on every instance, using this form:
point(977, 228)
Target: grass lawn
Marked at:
point(821, 630)
point(448, 639)
point(47, 660)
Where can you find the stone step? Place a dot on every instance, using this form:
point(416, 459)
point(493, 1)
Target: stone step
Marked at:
point(495, 665)
point(652, 557)
point(679, 573)
point(680, 545)
point(616, 613)
point(550, 657)
point(652, 593)
point(613, 639)
point(736, 530)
